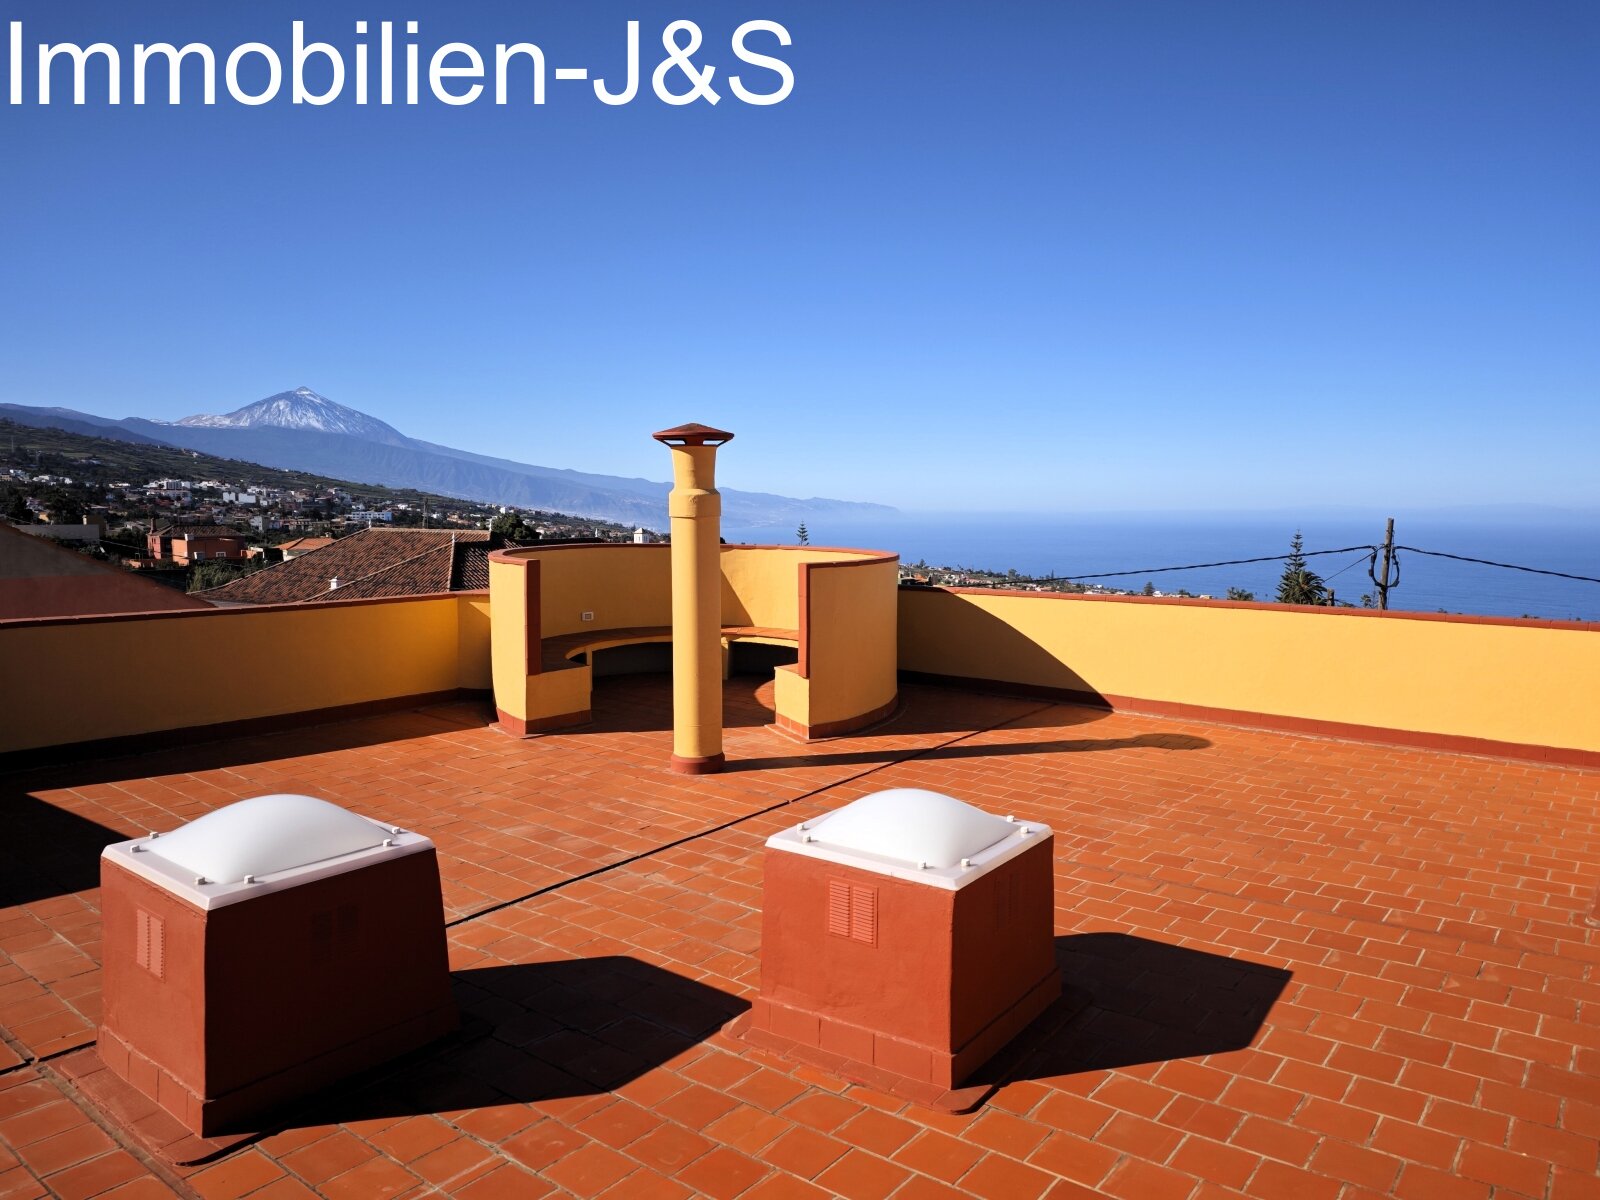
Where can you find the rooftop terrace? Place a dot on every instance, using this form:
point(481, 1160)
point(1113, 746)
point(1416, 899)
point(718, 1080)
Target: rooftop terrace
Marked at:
point(1313, 968)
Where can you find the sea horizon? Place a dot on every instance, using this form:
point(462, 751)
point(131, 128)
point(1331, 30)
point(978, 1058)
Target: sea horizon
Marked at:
point(1079, 545)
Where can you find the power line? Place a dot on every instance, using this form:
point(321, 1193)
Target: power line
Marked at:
point(1352, 563)
point(1485, 562)
point(1369, 551)
point(1232, 562)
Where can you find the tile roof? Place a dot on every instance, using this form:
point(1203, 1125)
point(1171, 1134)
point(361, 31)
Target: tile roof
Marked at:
point(304, 544)
point(1315, 968)
point(39, 578)
point(471, 569)
point(369, 563)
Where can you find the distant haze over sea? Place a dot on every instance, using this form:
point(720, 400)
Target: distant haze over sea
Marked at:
point(1078, 544)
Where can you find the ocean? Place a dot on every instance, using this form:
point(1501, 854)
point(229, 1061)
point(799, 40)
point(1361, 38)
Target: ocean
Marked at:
point(1076, 545)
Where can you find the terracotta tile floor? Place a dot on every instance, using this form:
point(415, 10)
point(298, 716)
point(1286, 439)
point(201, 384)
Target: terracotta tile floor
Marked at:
point(1317, 969)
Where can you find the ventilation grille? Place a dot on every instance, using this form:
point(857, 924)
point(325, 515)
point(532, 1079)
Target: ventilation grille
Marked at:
point(150, 944)
point(838, 908)
point(853, 911)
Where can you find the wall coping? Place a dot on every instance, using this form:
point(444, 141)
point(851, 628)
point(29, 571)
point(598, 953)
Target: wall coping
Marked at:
point(235, 610)
point(522, 554)
point(1263, 606)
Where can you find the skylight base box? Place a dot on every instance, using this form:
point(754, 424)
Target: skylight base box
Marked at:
point(229, 991)
point(907, 938)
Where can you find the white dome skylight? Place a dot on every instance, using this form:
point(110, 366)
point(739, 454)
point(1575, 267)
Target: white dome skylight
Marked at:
point(912, 826)
point(264, 835)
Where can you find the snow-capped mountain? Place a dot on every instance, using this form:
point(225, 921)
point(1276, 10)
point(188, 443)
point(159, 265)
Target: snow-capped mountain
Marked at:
point(302, 409)
point(303, 431)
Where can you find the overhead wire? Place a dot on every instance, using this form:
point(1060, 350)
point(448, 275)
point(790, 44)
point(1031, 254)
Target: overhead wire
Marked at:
point(1368, 553)
point(1354, 562)
point(1232, 562)
point(1486, 562)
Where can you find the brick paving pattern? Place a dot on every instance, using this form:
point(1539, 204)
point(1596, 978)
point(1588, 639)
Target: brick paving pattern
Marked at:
point(1315, 968)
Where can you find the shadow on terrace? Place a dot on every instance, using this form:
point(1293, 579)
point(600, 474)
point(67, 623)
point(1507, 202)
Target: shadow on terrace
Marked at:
point(541, 1031)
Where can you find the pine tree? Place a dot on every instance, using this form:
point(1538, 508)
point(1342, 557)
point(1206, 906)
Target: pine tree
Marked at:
point(803, 535)
point(1299, 584)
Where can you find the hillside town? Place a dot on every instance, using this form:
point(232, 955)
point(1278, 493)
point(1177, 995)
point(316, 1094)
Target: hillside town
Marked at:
point(203, 531)
point(201, 534)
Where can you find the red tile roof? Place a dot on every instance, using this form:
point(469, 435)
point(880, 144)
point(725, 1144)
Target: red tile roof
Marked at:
point(38, 578)
point(304, 544)
point(372, 562)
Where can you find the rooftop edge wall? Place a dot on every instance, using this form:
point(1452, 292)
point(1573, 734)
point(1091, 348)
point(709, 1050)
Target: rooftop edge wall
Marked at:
point(102, 678)
point(1519, 688)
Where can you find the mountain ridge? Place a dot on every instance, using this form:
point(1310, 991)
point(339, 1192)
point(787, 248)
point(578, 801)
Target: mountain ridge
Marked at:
point(301, 408)
point(305, 431)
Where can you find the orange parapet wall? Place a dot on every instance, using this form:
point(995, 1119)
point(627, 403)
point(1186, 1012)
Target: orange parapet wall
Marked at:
point(846, 677)
point(837, 606)
point(1479, 685)
point(137, 676)
point(545, 593)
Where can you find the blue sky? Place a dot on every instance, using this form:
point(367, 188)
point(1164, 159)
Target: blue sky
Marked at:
point(1085, 255)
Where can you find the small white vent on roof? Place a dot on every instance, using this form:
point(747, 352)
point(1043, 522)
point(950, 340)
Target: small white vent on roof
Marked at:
point(264, 835)
point(333, 583)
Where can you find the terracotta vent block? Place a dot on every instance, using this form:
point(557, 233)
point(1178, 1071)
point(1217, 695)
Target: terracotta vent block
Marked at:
point(227, 997)
point(900, 972)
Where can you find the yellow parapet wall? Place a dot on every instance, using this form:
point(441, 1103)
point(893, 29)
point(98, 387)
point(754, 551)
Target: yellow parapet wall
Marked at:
point(1500, 686)
point(838, 605)
point(761, 584)
point(849, 655)
point(472, 642)
point(621, 585)
point(88, 679)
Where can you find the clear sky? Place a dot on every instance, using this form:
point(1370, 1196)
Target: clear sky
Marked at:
point(1083, 253)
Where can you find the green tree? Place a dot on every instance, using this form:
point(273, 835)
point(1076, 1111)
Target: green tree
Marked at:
point(14, 504)
point(510, 527)
point(802, 534)
point(215, 574)
point(1240, 594)
point(1299, 583)
point(1149, 589)
point(64, 506)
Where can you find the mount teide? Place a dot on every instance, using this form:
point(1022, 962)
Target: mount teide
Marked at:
point(303, 431)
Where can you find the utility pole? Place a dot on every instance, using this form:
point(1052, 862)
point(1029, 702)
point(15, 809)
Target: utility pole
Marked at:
point(1388, 558)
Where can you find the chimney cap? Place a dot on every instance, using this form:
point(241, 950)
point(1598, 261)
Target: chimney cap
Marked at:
point(693, 434)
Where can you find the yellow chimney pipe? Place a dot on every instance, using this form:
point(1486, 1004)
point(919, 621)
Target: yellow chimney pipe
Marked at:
point(695, 508)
